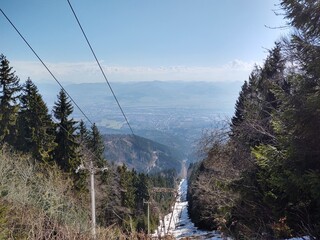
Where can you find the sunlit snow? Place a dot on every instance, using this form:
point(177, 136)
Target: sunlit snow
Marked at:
point(178, 223)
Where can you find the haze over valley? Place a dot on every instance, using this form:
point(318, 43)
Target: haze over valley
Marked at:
point(172, 113)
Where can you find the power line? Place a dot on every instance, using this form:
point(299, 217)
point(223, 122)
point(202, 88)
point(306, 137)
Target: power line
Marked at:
point(90, 152)
point(104, 75)
point(46, 67)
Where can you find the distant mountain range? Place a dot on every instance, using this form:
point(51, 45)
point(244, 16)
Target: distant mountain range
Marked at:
point(173, 113)
point(141, 154)
point(219, 96)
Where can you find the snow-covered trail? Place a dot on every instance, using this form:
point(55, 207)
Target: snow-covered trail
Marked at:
point(178, 222)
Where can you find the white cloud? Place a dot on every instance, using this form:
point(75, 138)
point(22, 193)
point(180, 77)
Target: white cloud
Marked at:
point(235, 70)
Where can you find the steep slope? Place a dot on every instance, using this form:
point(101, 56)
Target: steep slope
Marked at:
point(141, 154)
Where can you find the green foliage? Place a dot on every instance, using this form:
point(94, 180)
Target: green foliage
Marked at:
point(35, 127)
point(9, 90)
point(126, 194)
point(304, 15)
point(65, 154)
point(127, 187)
point(273, 148)
point(41, 195)
point(238, 117)
point(96, 145)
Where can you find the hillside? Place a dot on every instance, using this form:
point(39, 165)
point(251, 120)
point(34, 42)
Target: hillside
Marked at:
point(171, 113)
point(142, 154)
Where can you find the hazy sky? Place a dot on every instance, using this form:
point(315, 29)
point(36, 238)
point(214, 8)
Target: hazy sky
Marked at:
point(201, 40)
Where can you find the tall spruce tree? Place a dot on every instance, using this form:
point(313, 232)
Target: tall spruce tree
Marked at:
point(293, 163)
point(238, 117)
point(66, 153)
point(257, 102)
point(35, 126)
point(255, 129)
point(96, 145)
point(83, 133)
point(81, 177)
point(9, 93)
point(303, 15)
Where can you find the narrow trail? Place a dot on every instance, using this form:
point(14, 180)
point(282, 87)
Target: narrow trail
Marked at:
point(178, 223)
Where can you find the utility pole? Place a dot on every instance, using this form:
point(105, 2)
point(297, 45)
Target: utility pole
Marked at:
point(93, 200)
point(165, 190)
point(148, 203)
point(92, 170)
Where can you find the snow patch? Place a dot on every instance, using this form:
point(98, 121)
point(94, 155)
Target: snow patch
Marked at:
point(178, 224)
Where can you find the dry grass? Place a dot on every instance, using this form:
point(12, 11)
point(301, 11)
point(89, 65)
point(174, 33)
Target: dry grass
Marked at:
point(37, 202)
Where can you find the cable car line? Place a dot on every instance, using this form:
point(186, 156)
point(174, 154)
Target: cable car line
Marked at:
point(101, 69)
point(34, 52)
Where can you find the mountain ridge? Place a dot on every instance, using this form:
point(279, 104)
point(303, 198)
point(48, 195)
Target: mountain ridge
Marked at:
point(141, 154)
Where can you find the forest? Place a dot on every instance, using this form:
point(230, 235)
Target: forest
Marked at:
point(45, 161)
point(260, 177)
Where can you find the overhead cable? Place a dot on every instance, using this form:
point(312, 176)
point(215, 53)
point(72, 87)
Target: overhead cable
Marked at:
point(46, 66)
point(101, 69)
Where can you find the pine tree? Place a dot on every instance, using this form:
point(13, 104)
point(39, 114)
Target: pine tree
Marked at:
point(9, 90)
point(127, 186)
point(256, 129)
point(96, 145)
point(303, 15)
point(81, 177)
point(252, 122)
point(142, 186)
point(35, 126)
point(66, 153)
point(83, 133)
point(238, 115)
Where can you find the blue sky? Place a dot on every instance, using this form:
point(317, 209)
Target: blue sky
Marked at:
point(141, 40)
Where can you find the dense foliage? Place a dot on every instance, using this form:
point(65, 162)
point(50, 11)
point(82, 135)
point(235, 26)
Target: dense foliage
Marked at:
point(264, 179)
point(44, 162)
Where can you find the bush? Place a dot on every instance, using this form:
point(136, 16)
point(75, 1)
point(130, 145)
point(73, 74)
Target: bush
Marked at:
point(37, 200)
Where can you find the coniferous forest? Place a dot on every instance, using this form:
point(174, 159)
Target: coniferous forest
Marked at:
point(44, 179)
point(260, 178)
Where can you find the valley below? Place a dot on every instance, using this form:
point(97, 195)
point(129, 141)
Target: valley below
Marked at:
point(174, 114)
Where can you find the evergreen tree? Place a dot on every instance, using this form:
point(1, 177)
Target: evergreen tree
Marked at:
point(96, 145)
point(9, 91)
point(277, 125)
point(66, 153)
point(304, 44)
point(304, 15)
point(255, 128)
point(238, 117)
point(81, 177)
point(251, 125)
point(83, 133)
point(35, 126)
point(142, 186)
point(109, 207)
point(127, 187)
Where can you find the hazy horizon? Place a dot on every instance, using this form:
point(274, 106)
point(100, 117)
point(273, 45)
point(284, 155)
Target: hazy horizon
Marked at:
point(141, 41)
